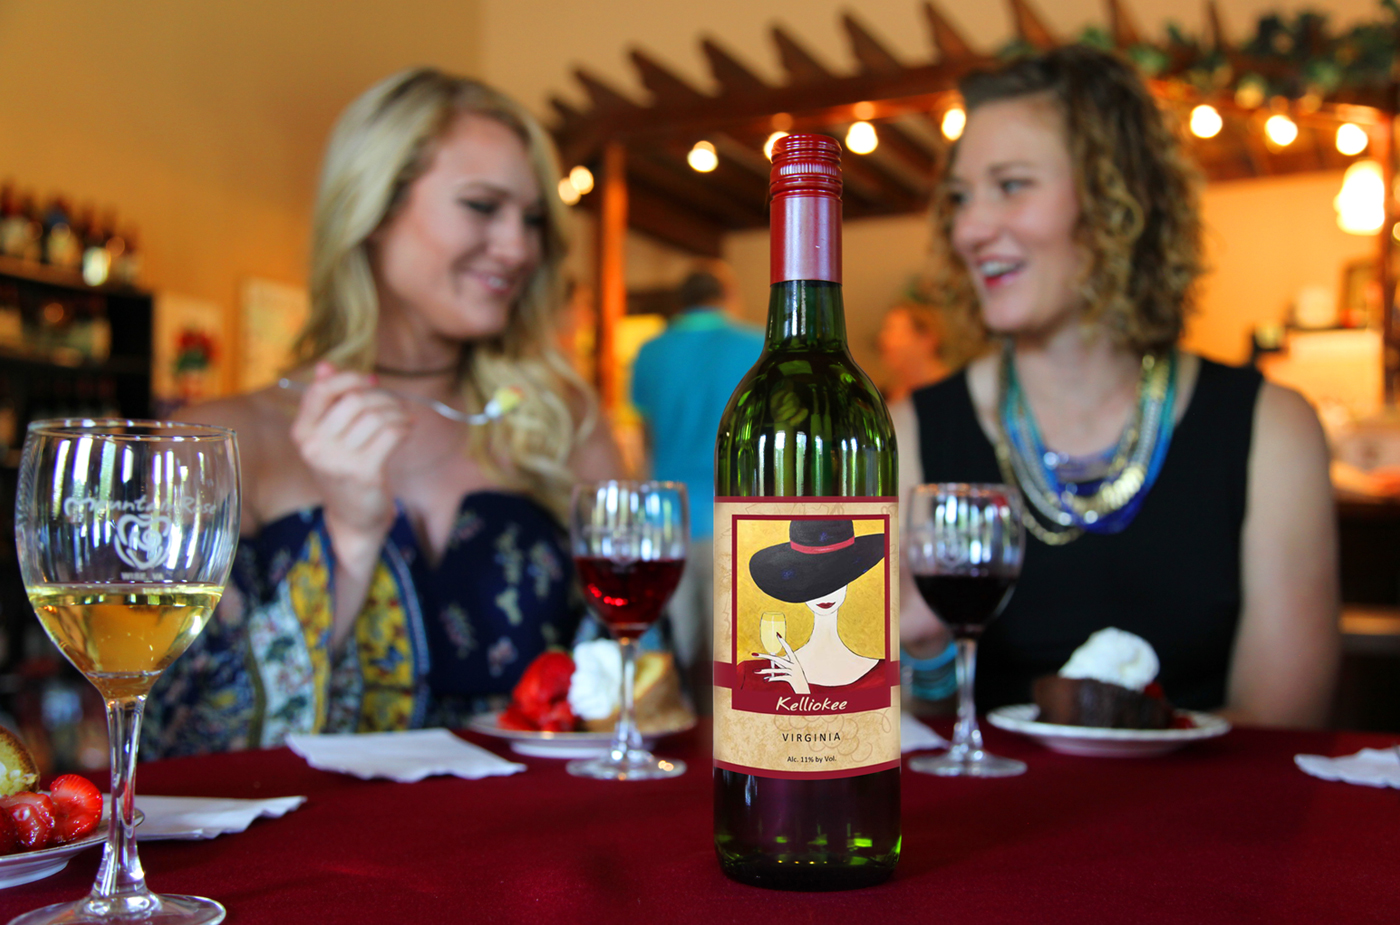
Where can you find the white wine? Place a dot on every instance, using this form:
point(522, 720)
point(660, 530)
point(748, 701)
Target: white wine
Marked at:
point(807, 761)
point(122, 636)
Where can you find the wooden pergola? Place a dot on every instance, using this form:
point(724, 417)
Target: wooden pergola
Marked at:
point(638, 150)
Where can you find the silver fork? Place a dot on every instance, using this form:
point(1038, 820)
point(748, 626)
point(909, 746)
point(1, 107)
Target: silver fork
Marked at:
point(503, 401)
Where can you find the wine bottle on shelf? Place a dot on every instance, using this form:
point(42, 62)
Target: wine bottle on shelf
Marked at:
point(806, 777)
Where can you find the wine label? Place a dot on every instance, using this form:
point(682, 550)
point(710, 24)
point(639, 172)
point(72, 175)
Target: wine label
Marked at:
point(806, 636)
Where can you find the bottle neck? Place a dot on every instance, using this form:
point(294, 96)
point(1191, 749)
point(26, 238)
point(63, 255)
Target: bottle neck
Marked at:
point(806, 315)
point(804, 308)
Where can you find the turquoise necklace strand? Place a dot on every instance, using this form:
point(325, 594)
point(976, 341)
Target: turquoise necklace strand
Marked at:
point(1100, 493)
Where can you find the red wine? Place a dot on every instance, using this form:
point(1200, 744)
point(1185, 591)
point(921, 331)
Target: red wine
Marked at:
point(805, 432)
point(965, 603)
point(628, 596)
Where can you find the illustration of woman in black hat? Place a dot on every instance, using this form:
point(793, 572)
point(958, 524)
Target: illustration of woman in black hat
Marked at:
point(815, 568)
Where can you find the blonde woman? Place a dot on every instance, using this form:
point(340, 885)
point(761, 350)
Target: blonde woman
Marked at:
point(398, 568)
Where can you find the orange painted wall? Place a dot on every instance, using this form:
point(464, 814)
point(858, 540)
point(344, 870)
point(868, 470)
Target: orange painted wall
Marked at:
point(203, 122)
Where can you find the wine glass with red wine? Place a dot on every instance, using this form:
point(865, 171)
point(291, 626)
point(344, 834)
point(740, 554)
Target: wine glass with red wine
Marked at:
point(629, 543)
point(964, 547)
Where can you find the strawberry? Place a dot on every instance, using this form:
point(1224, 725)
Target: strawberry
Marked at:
point(77, 805)
point(542, 689)
point(33, 816)
point(512, 717)
point(9, 835)
point(558, 718)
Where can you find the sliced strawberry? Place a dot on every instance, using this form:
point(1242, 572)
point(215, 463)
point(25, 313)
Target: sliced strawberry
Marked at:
point(512, 717)
point(558, 718)
point(1154, 690)
point(542, 687)
point(1182, 721)
point(9, 835)
point(77, 805)
point(33, 816)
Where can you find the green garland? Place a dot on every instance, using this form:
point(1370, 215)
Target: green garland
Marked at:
point(1294, 57)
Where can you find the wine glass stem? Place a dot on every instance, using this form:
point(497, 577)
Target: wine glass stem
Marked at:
point(120, 879)
point(626, 737)
point(967, 738)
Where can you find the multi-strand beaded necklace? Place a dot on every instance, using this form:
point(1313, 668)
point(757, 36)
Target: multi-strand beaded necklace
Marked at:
point(1100, 493)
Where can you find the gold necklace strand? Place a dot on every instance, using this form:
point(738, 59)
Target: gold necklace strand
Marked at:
point(1112, 494)
point(1045, 535)
point(1117, 491)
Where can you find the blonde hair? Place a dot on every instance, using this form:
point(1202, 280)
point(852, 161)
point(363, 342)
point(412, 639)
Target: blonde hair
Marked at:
point(383, 141)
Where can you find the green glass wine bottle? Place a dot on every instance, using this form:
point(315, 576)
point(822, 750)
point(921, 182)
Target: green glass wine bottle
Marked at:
point(806, 777)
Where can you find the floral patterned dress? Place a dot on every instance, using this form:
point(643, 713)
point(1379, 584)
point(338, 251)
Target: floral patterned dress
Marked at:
point(431, 646)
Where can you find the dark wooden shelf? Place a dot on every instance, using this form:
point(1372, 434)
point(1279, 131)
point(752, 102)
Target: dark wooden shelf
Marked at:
point(62, 277)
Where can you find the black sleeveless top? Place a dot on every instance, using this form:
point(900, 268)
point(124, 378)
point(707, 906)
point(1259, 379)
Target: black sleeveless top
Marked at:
point(1172, 576)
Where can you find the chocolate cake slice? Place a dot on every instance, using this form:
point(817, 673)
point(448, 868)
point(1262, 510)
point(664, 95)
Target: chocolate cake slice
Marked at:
point(1085, 702)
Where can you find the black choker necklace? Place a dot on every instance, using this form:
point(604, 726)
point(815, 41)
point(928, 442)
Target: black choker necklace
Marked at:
point(414, 373)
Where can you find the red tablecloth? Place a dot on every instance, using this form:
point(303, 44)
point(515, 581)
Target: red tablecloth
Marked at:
point(1222, 831)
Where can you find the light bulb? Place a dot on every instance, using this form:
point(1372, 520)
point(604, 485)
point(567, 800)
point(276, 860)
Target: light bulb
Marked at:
point(1361, 203)
point(1281, 130)
point(772, 140)
point(954, 121)
point(568, 192)
point(702, 157)
point(582, 179)
point(1206, 121)
point(861, 139)
point(1352, 139)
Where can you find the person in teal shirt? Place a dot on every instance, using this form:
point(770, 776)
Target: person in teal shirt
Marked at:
point(681, 383)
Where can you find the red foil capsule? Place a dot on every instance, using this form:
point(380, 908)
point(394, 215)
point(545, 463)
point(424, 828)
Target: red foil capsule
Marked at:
point(805, 209)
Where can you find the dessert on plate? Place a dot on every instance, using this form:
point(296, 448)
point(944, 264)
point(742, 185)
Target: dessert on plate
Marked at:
point(31, 820)
point(560, 692)
point(1109, 681)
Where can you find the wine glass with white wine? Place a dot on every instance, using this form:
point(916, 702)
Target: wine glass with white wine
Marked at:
point(125, 532)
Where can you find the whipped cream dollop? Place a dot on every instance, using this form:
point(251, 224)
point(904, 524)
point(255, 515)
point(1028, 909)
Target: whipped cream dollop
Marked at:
point(1114, 656)
point(596, 685)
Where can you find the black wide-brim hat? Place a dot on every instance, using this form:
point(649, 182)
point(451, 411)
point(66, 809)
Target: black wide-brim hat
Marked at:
point(820, 557)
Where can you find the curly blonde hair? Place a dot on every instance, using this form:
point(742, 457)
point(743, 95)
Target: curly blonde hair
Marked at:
point(382, 142)
point(1139, 210)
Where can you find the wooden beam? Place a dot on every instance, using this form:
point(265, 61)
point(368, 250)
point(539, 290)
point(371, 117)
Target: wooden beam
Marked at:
point(605, 99)
point(657, 216)
point(665, 86)
point(873, 57)
point(915, 90)
point(568, 115)
point(1215, 30)
point(949, 44)
point(1030, 28)
point(801, 66)
point(732, 76)
point(1125, 32)
point(719, 202)
point(611, 277)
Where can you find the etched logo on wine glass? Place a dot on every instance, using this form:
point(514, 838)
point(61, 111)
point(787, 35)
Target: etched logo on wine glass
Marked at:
point(143, 540)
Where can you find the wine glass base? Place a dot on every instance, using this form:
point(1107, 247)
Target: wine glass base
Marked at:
point(171, 910)
point(637, 765)
point(978, 764)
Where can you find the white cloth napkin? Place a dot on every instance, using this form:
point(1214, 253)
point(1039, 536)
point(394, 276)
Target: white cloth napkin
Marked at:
point(1372, 767)
point(401, 756)
point(914, 736)
point(205, 817)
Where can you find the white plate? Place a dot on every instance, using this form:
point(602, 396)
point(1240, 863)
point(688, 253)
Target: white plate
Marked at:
point(28, 866)
point(557, 744)
point(1105, 743)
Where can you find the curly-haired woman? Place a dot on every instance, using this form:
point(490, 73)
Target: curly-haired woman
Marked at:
point(398, 568)
point(1179, 499)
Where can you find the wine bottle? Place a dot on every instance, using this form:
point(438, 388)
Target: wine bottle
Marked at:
point(806, 776)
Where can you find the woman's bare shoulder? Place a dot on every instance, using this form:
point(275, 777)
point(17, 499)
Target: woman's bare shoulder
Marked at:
point(1284, 419)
